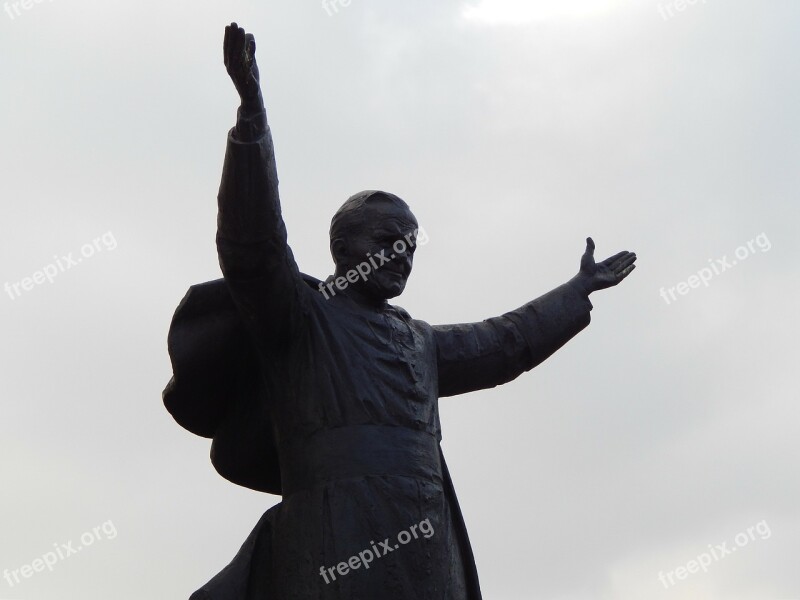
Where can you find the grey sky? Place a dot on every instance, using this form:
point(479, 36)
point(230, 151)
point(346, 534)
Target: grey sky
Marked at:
point(514, 129)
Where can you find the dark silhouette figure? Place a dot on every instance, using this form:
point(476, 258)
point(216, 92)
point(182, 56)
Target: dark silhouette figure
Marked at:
point(324, 393)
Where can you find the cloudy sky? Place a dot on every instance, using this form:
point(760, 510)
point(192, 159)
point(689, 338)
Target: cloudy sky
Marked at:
point(664, 435)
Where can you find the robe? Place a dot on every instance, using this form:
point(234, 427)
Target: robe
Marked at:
point(335, 407)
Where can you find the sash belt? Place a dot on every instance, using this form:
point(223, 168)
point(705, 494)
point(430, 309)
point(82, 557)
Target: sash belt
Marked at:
point(358, 451)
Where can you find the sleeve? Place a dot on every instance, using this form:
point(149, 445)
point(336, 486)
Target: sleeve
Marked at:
point(476, 356)
point(255, 258)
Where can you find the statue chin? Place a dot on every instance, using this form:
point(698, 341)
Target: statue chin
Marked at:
point(388, 290)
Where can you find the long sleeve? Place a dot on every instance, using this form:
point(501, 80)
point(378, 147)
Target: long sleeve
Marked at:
point(475, 356)
point(254, 255)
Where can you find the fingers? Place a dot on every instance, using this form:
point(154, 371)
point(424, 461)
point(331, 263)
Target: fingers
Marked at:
point(231, 46)
point(237, 44)
point(250, 44)
point(624, 268)
point(230, 33)
point(619, 261)
point(623, 262)
point(589, 246)
point(619, 256)
point(226, 44)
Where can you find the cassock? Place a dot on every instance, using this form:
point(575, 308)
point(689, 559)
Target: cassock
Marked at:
point(334, 406)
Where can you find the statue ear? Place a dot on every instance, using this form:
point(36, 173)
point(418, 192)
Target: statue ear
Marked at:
point(339, 251)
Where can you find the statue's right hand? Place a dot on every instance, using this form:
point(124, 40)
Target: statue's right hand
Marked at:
point(239, 49)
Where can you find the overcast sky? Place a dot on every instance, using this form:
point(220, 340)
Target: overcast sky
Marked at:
point(514, 129)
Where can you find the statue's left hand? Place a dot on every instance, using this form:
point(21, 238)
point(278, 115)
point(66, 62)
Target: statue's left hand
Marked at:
point(598, 276)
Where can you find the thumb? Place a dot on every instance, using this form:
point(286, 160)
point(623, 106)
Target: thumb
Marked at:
point(590, 246)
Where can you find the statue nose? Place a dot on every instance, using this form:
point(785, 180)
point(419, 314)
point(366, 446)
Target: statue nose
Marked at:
point(404, 260)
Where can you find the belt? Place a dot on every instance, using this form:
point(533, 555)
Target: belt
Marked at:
point(358, 451)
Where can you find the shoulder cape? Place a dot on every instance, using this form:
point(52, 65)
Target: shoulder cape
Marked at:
point(217, 390)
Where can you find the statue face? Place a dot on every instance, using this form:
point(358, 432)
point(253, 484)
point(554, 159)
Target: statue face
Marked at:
point(386, 244)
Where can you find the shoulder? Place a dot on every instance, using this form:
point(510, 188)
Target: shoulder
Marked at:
point(402, 312)
point(310, 281)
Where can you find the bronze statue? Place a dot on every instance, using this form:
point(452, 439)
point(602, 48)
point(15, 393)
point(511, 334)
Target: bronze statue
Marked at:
point(324, 393)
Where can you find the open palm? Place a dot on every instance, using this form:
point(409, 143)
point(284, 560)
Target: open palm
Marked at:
point(605, 274)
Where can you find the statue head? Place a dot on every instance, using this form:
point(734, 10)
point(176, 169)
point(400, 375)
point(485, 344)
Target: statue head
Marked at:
point(373, 238)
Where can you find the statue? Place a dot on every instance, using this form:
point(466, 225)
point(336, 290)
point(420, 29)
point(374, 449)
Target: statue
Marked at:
point(324, 393)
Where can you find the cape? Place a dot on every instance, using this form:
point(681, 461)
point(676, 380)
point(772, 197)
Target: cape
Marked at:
point(217, 390)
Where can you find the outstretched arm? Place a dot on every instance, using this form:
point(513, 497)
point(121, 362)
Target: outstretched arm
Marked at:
point(254, 255)
point(474, 356)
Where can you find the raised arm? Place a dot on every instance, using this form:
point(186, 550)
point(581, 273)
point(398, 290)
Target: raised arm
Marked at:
point(476, 356)
point(254, 255)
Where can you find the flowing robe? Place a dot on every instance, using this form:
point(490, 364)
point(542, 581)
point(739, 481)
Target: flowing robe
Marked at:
point(347, 405)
